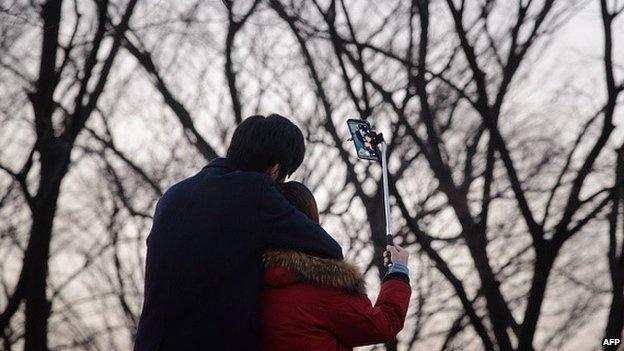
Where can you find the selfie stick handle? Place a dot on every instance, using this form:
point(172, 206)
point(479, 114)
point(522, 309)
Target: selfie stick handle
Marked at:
point(384, 176)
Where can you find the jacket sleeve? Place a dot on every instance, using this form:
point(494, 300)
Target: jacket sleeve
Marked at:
point(283, 227)
point(356, 322)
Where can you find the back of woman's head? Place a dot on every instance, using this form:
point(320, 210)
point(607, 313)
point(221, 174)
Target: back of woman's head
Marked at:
point(301, 197)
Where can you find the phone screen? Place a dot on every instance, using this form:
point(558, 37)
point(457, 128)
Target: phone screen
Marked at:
point(364, 139)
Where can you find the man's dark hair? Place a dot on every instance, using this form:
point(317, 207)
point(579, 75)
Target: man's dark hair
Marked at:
point(261, 142)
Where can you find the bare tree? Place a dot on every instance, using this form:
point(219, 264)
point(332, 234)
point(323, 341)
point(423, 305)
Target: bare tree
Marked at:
point(506, 212)
point(54, 148)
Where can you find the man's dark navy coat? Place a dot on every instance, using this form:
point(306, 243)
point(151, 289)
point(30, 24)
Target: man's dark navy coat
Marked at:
point(204, 258)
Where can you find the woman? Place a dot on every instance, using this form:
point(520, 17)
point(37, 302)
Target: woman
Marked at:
point(311, 303)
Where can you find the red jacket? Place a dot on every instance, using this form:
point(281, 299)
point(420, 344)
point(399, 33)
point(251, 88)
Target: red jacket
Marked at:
point(311, 303)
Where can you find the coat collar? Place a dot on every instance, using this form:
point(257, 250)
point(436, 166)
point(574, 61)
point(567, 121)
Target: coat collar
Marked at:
point(223, 162)
point(289, 267)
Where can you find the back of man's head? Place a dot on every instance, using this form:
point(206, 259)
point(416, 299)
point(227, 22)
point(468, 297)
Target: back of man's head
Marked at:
point(262, 142)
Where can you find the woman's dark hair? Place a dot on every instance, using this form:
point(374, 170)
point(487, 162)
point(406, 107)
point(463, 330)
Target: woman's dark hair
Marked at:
point(300, 197)
point(261, 142)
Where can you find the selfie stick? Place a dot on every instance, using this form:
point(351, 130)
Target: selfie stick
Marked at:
point(384, 175)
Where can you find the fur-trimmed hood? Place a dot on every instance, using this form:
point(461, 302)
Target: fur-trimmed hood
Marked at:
point(286, 267)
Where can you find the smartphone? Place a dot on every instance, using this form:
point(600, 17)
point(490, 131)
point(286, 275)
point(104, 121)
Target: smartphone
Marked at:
point(364, 139)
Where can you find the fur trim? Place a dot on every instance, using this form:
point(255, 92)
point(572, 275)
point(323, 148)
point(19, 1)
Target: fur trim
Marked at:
point(318, 271)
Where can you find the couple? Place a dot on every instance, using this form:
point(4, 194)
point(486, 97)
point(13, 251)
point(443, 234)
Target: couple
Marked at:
point(236, 260)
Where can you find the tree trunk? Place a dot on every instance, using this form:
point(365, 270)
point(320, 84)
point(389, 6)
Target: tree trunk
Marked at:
point(54, 160)
point(37, 304)
point(496, 306)
point(615, 323)
point(54, 166)
point(543, 264)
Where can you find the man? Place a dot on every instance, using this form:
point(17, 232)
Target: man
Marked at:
point(204, 252)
